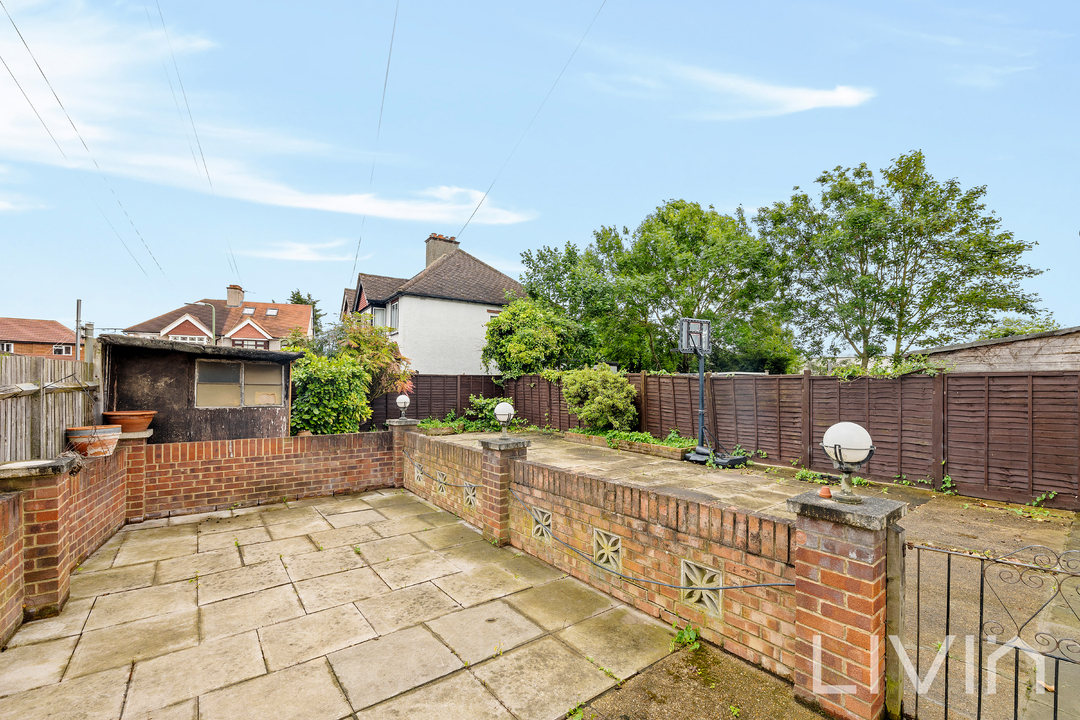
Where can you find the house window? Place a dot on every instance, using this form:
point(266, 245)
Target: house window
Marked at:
point(237, 384)
point(6, 347)
point(393, 316)
point(271, 311)
point(253, 344)
point(61, 350)
point(196, 339)
point(378, 317)
point(249, 311)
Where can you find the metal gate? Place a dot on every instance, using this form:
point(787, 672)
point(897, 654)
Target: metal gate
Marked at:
point(992, 637)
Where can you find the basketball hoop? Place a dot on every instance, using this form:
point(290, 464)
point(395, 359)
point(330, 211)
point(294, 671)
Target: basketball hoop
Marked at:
point(695, 336)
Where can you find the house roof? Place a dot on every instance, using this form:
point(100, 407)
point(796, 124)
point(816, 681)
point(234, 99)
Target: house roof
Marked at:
point(35, 331)
point(350, 299)
point(995, 341)
point(454, 276)
point(289, 316)
point(206, 350)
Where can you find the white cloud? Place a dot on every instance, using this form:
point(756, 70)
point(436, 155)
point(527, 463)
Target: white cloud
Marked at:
point(108, 71)
point(708, 94)
point(986, 76)
point(299, 252)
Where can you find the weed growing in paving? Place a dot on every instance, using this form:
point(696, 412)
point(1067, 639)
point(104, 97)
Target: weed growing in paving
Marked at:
point(948, 486)
point(734, 709)
point(1037, 502)
point(686, 637)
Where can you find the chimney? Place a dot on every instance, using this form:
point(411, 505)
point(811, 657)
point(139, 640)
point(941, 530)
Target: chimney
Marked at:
point(234, 296)
point(438, 245)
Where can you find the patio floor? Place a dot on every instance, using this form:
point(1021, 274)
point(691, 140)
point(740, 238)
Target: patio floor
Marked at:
point(361, 606)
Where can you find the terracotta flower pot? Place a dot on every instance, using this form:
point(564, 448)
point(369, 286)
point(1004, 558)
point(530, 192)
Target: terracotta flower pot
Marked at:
point(94, 440)
point(130, 421)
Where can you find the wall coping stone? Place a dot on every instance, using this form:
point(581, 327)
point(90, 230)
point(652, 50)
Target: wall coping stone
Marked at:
point(505, 443)
point(402, 421)
point(36, 468)
point(872, 513)
point(137, 435)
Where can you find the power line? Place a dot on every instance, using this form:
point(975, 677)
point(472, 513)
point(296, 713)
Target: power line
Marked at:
point(507, 161)
point(79, 135)
point(176, 101)
point(68, 161)
point(378, 132)
point(231, 258)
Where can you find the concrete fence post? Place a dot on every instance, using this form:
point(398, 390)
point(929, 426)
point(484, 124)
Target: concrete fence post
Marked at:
point(495, 476)
point(841, 618)
point(399, 427)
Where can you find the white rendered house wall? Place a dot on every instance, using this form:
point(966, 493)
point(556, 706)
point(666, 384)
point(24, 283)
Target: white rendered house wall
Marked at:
point(443, 337)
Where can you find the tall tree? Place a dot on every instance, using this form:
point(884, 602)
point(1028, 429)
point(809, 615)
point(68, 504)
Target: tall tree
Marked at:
point(298, 298)
point(883, 267)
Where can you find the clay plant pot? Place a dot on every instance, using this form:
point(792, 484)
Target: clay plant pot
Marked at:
point(130, 421)
point(94, 440)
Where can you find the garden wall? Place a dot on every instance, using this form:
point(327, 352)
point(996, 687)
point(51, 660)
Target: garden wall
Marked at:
point(11, 565)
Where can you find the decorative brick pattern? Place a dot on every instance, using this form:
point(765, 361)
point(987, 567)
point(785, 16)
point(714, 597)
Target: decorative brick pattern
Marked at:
point(607, 550)
point(691, 574)
point(455, 464)
point(469, 495)
point(541, 527)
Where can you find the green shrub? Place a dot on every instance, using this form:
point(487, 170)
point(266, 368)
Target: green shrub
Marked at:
point(478, 417)
point(331, 394)
point(600, 398)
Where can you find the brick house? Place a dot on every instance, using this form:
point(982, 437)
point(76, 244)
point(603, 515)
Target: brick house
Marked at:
point(438, 317)
point(25, 336)
point(239, 323)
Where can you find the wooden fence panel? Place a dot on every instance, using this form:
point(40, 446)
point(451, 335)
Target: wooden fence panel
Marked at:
point(791, 421)
point(33, 426)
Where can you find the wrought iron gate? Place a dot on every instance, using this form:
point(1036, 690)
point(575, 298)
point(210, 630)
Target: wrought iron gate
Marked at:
point(992, 637)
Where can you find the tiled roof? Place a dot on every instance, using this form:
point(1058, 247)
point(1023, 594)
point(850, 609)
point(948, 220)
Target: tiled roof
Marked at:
point(36, 331)
point(454, 276)
point(278, 326)
point(350, 299)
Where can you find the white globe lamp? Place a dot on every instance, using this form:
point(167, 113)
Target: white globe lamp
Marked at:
point(850, 447)
point(504, 413)
point(403, 404)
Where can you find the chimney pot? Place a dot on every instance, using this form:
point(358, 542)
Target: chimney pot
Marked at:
point(439, 245)
point(234, 296)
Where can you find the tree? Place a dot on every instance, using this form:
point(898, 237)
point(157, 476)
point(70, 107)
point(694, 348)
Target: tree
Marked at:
point(763, 344)
point(331, 394)
point(296, 298)
point(1010, 326)
point(377, 353)
point(531, 335)
point(600, 398)
point(882, 267)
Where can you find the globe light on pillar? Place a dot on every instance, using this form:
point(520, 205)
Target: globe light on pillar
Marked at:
point(403, 404)
point(850, 447)
point(504, 413)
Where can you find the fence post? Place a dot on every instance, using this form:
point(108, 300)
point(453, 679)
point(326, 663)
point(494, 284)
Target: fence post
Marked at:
point(37, 413)
point(841, 573)
point(937, 429)
point(495, 477)
point(807, 420)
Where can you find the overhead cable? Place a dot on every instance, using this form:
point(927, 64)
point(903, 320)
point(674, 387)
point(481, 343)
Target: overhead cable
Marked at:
point(505, 162)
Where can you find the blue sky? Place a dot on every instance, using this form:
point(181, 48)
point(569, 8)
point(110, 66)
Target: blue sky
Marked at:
point(725, 104)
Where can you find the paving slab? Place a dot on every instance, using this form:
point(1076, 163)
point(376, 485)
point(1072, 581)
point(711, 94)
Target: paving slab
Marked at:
point(196, 518)
point(310, 636)
point(560, 603)
point(458, 696)
point(102, 558)
point(529, 569)
point(188, 566)
point(241, 581)
point(400, 510)
point(279, 514)
point(322, 562)
point(142, 603)
point(118, 645)
point(109, 581)
point(413, 570)
point(94, 697)
point(474, 555)
point(353, 504)
point(186, 710)
point(67, 623)
point(302, 692)
point(348, 535)
point(485, 631)
point(622, 640)
point(169, 679)
point(541, 680)
point(145, 525)
point(230, 524)
point(396, 497)
point(233, 538)
point(358, 517)
point(379, 669)
point(402, 608)
point(401, 526)
point(300, 526)
point(275, 550)
point(344, 587)
point(31, 666)
point(157, 544)
point(439, 518)
point(249, 612)
point(473, 587)
point(448, 536)
point(392, 548)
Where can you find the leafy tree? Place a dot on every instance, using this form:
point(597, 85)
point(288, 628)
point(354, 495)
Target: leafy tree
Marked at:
point(885, 266)
point(1009, 326)
point(531, 335)
point(600, 398)
point(763, 344)
point(380, 356)
point(331, 394)
point(297, 298)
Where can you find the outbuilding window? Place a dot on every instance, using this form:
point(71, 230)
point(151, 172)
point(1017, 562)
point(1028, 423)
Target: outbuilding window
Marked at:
point(238, 384)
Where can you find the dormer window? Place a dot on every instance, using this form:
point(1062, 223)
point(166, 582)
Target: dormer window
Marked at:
point(271, 312)
point(249, 311)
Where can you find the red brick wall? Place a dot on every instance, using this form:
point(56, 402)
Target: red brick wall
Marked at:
point(11, 565)
point(460, 463)
point(42, 349)
point(98, 504)
point(196, 477)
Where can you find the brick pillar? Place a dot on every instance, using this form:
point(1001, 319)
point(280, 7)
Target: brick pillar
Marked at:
point(136, 477)
point(840, 619)
point(399, 427)
point(46, 494)
point(495, 477)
